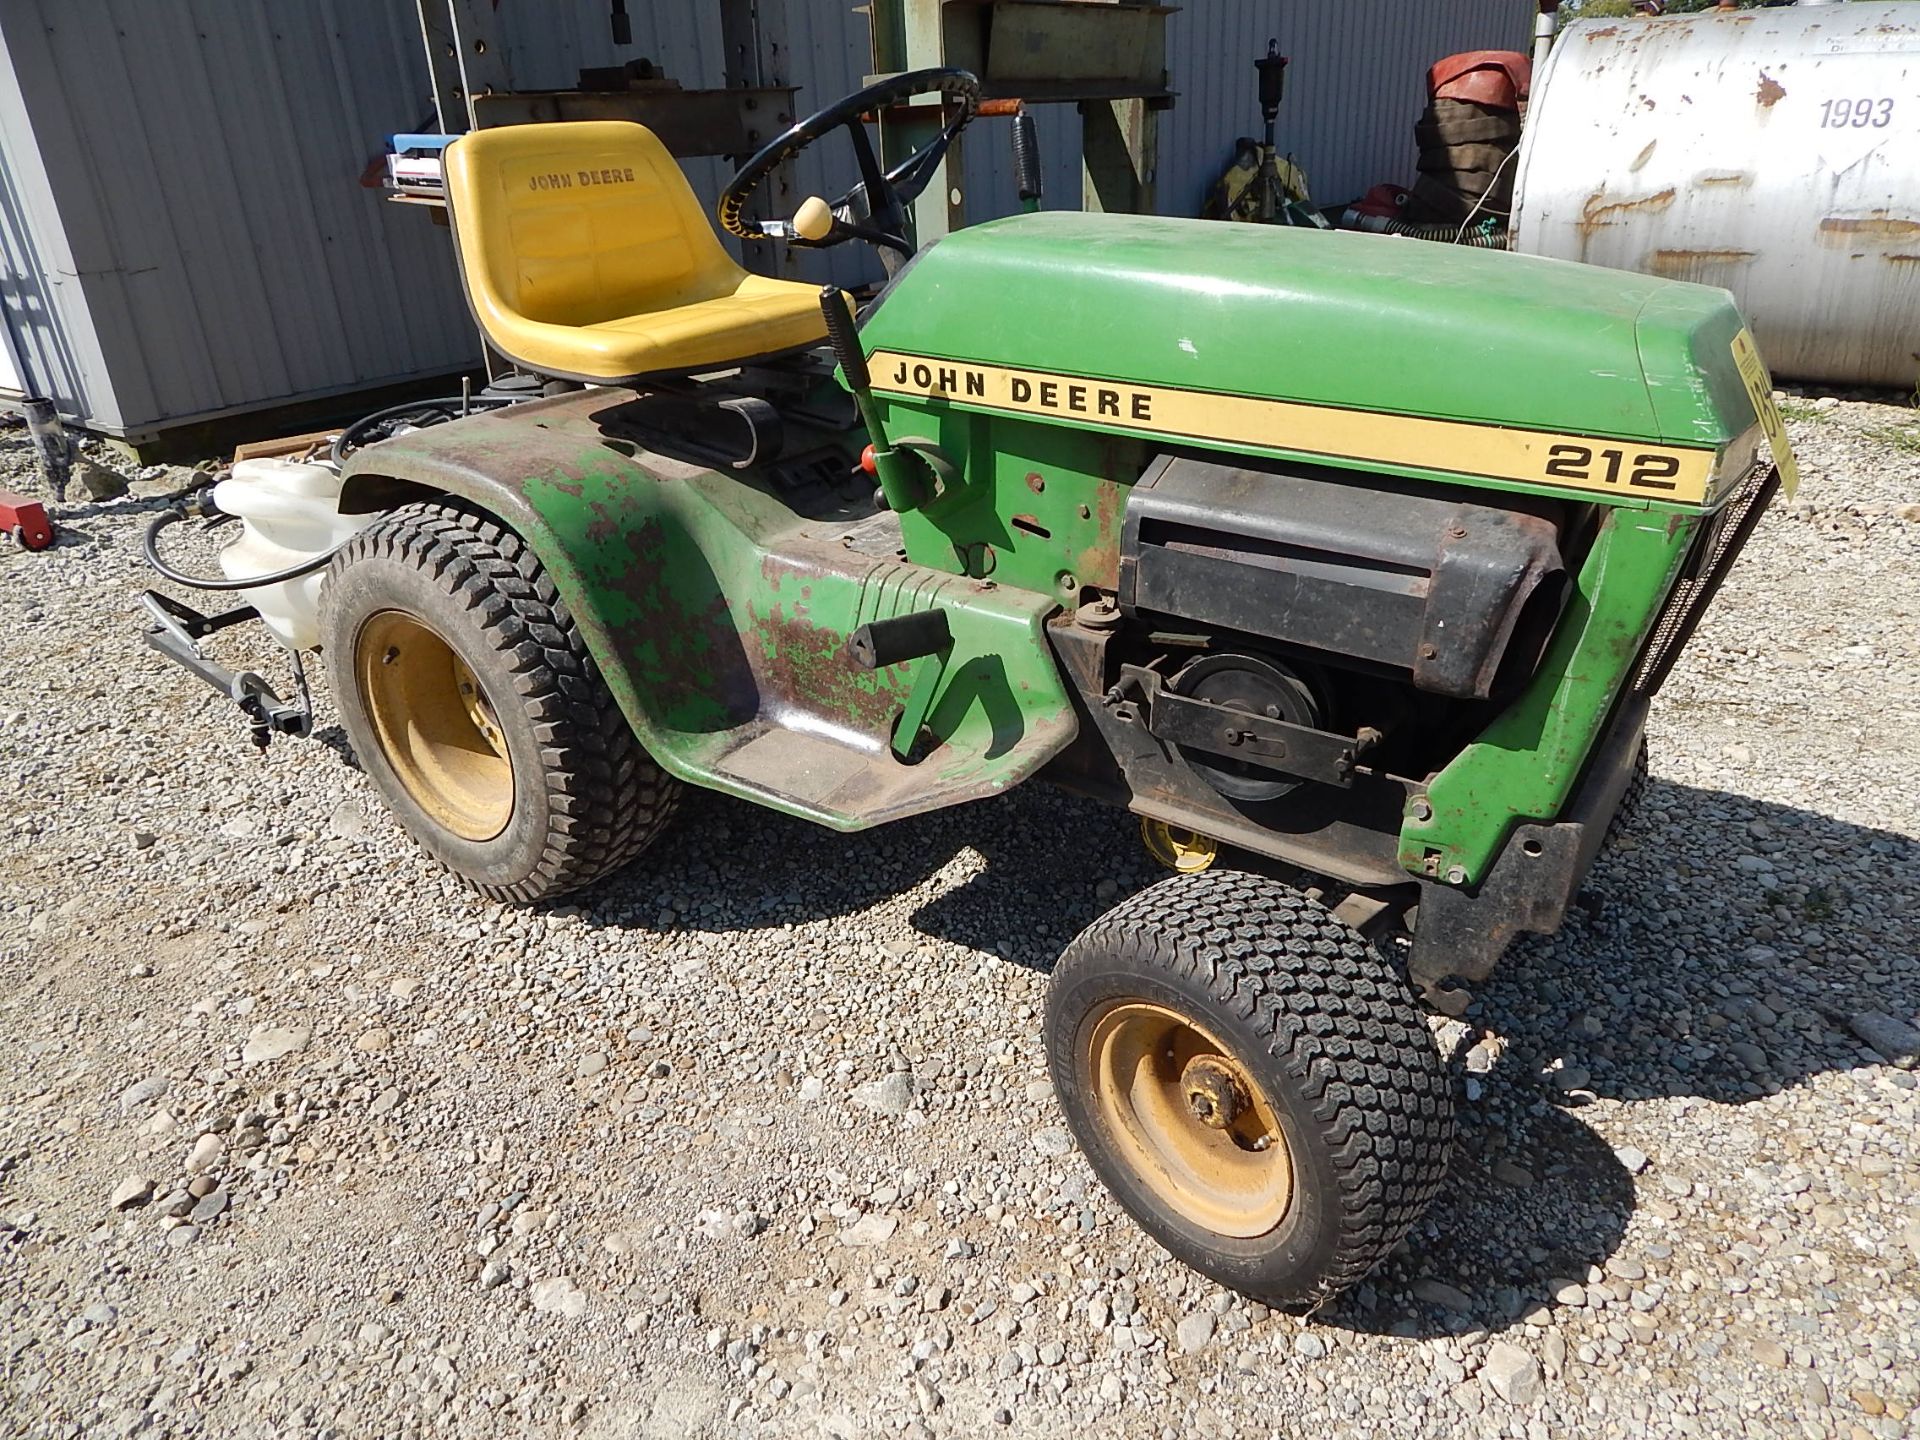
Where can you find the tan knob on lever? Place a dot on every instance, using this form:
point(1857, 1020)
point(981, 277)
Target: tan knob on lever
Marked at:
point(813, 220)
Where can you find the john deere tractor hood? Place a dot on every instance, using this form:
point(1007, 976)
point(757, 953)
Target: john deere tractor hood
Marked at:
point(1358, 321)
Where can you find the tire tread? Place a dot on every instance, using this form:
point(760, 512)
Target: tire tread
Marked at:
point(607, 800)
point(1335, 1015)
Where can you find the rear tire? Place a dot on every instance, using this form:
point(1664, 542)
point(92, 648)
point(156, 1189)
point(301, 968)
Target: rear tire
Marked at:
point(471, 701)
point(1253, 1082)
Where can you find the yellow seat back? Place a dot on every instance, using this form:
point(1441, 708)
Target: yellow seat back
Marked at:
point(579, 223)
point(586, 254)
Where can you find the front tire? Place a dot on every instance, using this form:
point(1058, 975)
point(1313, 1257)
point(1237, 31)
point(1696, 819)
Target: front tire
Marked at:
point(471, 701)
point(1252, 1081)
point(1635, 795)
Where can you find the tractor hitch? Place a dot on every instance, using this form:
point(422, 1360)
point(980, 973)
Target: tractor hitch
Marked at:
point(176, 632)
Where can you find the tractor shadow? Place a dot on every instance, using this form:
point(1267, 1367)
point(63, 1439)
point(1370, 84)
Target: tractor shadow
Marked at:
point(1689, 971)
point(1721, 946)
point(1017, 876)
point(1714, 980)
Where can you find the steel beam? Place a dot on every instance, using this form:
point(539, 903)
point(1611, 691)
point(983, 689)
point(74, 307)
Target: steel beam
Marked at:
point(1119, 153)
point(1112, 65)
point(443, 66)
point(907, 35)
point(758, 56)
point(479, 50)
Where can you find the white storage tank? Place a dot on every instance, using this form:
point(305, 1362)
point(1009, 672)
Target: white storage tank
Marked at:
point(1775, 152)
point(289, 513)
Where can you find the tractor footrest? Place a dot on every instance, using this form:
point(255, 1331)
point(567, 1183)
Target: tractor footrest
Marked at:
point(806, 768)
point(961, 701)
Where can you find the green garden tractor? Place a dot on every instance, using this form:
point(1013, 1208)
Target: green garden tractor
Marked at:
point(1351, 560)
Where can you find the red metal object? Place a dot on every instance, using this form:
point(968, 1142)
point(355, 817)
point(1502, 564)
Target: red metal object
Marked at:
point(1384, 201)
point(867, 463)
point(25, 520)
point(1499, 78)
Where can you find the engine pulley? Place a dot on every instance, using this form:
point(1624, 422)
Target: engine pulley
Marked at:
point(1251, 685)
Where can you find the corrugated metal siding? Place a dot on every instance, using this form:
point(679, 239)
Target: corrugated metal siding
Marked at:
point(185, 234)
point(40, 312)
point(204, 160)
point(1356, 84)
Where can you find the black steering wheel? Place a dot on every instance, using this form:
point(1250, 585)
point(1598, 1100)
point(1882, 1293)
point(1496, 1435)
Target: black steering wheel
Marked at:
point(874, 210)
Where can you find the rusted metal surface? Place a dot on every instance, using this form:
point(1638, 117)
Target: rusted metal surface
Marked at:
point(1773, 152)
point(1700, 266)
point(720, 616)
point(1846, 232)
point(1533, 882)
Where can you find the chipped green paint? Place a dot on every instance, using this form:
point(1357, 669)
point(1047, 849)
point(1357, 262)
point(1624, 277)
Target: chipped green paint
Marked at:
point(719, 617)
point(1037, 506)
point(1524, 765)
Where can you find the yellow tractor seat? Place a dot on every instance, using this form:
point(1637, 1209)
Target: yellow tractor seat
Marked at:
point(586, 256)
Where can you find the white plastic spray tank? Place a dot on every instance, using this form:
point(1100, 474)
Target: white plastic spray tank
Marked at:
point(289, 511)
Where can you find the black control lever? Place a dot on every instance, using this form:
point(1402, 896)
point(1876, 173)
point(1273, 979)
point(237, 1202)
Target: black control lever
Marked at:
point(845, 340)
point(903, 637)
point(903, 485)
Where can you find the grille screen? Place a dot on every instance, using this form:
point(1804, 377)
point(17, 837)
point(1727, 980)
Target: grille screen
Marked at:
point(1714, 552)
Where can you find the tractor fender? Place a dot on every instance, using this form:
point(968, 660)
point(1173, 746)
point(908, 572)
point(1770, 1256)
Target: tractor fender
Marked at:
point(498, 461)
point(488, 470)
point(720, 620)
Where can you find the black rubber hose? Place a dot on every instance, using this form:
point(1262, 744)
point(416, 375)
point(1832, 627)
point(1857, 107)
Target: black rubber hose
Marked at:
point(344, 443)
point(1446, 233)
point(150, 545)
point(354, 436)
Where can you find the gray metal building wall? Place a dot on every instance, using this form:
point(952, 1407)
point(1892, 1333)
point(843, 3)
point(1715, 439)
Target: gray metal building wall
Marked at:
point(184, 225)
point(183, 232)
point(1356, 85)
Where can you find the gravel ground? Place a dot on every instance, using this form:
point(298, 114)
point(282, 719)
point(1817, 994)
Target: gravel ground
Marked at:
point(297, 1138)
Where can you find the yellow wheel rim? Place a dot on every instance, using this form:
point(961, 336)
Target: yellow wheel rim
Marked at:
point(1187, 851)
point(1187, 1118)
point(435, 726)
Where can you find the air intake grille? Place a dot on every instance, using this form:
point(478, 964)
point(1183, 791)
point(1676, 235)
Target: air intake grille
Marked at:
point(1714, 552)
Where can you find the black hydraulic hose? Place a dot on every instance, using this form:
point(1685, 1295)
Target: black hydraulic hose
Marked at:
point(1447, 232)
point(452, 407)
point(150, 545)
point(455, 407)
point(1450, 234)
